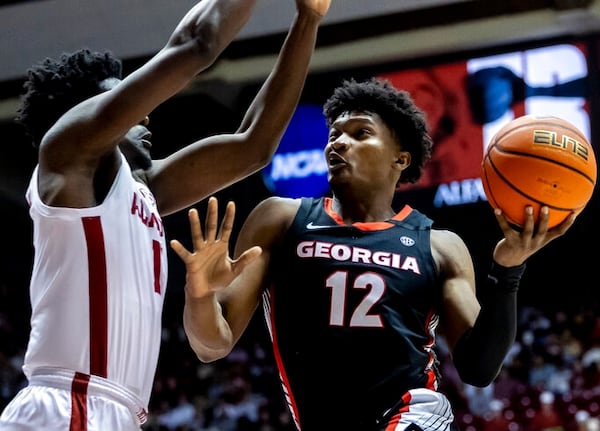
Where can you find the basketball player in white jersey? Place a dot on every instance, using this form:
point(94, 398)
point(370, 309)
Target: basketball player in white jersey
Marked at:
point(96, 200)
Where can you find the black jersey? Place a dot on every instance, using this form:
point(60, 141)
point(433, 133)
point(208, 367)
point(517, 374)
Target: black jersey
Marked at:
point(352, 315)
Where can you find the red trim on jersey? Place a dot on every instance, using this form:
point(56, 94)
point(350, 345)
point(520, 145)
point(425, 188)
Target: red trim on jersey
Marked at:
point(98, 295)
point(282, 374)
point(79, 402)
point(395, 419)
point(366, 226)
point(156, 253)
point(403, 213)
point(432, 382)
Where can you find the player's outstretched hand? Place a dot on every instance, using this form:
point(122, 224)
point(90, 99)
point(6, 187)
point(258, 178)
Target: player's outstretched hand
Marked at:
point(209, 267)
point(519, 244)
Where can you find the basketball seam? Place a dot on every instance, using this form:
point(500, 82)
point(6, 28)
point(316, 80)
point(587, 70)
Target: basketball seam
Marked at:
point(550, 124)
point(548, 159)
point(519, 191)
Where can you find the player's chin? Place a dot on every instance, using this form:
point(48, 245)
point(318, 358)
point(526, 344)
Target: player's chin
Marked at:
point(335, 181)
point(337, 173)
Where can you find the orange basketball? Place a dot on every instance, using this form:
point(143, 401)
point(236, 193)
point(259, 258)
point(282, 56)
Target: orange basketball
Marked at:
point(539, 161)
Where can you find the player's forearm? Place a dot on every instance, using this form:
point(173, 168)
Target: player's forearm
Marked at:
point(274, 105)
point(212, 25)
point(197, 41)
point(479, 354)
point(207, 330)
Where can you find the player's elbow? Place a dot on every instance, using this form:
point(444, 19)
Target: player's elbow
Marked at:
point(202, 41)
point(263, 157)
point(477, 362)
point(209, 346)
point(476, 376)
point(263, 142)
point(207, 355)
point(207, 43)
point(258, 147)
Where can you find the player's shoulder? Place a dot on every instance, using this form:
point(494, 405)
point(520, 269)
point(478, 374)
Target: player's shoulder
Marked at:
point(445, 235)
point(270, 219)
point(276, 209)
point(448, 244)
point(279, 203)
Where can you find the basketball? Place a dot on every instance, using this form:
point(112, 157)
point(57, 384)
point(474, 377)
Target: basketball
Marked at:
point(539, 161)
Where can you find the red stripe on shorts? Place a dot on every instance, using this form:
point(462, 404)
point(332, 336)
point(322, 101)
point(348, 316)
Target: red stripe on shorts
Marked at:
point(79, 402)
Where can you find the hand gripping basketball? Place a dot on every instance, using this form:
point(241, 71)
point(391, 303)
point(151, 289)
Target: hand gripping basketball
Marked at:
point(539, 161)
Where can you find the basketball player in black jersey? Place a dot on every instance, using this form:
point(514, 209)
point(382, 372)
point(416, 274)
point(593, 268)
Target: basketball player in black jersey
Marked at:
point(353, 291)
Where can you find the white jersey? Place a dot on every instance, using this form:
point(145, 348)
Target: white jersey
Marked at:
point(98, 285)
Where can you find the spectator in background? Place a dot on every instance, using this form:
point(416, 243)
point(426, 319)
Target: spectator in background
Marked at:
point(494, 420)
point(479, 399)
point(507, 387)
point(546, 417)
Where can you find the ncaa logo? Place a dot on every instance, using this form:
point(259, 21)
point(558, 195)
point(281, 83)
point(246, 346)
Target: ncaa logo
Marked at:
point(409, 242)
point(298, 167)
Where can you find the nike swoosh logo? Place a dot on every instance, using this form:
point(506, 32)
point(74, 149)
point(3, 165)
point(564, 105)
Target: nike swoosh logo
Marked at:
point(316, 226)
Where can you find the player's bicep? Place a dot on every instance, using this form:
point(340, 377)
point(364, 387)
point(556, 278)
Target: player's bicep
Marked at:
point(264, 227)
point(459, 301)
point(241, 299)
point(460, 309)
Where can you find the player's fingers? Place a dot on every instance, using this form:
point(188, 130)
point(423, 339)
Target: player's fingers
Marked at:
point(542, 228)
point(212, 213)
point(502, 222)
point(227, 223)
point(178, 248)
point(529, 224)
point(245, 258)
point(565, 225)
point(195, 228)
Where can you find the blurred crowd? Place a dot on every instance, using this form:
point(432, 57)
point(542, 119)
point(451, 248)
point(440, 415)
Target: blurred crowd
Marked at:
point(550, 380)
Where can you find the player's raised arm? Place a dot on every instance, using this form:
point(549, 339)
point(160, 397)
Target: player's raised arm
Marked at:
point(221, 160)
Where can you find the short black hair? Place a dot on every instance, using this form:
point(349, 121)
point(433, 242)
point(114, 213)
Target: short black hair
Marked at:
point(56, 85)
point(398, 111)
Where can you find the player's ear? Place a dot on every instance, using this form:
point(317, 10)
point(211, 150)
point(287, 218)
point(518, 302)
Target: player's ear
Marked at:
point(403, 159)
